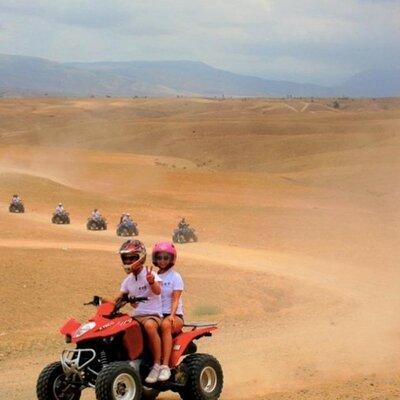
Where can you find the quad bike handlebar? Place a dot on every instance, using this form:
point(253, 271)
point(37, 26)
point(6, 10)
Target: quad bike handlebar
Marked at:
point(122, 301)
point(125, 299)
point(95, 302)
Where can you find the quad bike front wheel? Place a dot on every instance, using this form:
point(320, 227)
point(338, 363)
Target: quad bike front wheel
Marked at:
point(93, 226)
point(16, 209)
point(58, 220)
point(181, 239)
point(52, 384)
point(118, 381)
point(204, 380)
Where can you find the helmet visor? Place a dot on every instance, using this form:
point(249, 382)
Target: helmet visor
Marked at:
point(128, 259)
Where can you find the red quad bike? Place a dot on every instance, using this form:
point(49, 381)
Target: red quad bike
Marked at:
point(112, 357)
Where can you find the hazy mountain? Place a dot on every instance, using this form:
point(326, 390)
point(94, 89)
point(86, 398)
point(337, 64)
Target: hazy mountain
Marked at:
point(373, 83)
point(196, 78)
point(36, 76)
point(20, 75)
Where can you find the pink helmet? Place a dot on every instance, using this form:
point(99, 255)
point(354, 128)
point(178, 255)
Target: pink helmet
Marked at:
point(164, 247)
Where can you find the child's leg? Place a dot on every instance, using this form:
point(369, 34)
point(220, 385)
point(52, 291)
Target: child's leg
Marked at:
point(151, 328)
point(166, 332)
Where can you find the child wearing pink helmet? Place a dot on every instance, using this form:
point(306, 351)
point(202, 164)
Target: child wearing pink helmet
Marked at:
point(164, 257)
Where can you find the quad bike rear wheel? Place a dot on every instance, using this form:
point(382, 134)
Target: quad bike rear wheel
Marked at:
point(53, 385)
point(118, 381)
point(204, 378)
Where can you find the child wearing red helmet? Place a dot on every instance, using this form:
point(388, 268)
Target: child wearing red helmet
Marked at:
point(143, 282)
point(164, 257)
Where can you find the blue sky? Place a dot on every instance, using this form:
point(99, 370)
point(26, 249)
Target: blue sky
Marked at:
point(311, 40)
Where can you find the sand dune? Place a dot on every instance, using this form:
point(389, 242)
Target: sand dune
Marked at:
point(295, 204)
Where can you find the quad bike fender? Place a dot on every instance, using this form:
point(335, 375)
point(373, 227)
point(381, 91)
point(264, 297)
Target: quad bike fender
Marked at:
point(133, 341)
point(182, 341)
point(70, 327)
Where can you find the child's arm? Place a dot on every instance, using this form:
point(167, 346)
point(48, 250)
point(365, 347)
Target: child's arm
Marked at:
point(176, 295)
point(156, 288)
point(121, 294)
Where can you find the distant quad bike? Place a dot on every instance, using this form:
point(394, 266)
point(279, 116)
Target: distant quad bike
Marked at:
point(112, 357)
point(126, 229)
point(17, 207)
point(96, 224)
point(61, 218)
point(184, 235)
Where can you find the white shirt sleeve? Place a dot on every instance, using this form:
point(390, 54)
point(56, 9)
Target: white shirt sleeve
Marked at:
point(124, 285)
point(156, 277)
point(177, 282)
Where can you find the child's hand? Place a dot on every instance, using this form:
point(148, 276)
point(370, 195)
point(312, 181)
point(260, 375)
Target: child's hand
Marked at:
point(171, 319)
point(149, 275)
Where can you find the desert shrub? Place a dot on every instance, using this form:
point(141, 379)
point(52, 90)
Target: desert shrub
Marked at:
point(206, 309)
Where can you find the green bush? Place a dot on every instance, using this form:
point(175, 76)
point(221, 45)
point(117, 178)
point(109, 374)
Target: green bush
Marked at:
point(206, 309)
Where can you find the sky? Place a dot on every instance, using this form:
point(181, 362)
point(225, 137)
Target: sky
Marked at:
point(318, 41)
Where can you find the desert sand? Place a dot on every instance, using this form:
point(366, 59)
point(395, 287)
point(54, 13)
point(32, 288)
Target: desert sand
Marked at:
point(296, 204)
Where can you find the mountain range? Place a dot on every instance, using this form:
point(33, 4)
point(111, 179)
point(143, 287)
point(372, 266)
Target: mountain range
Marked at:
point(31, 76)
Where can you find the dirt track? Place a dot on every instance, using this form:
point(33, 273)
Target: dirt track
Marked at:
point(296, 207)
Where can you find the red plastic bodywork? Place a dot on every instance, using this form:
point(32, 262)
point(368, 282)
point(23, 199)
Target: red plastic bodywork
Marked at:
point(181, 342)
point(133, 338)
point(107, 326)
point(70, 327)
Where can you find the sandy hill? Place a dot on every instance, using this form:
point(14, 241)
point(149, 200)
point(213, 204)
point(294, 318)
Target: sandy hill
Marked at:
point(296, 207)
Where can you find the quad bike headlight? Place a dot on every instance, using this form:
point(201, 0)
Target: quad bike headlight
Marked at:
point(85, 328)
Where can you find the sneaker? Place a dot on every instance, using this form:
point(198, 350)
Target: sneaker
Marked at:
point(165, 373)
point(153, 375)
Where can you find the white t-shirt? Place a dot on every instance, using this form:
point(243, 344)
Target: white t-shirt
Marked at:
point(139, 287)
point(171, 280)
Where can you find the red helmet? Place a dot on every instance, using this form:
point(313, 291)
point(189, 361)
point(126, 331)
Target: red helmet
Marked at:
point(133, 253)
point(164, 247)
